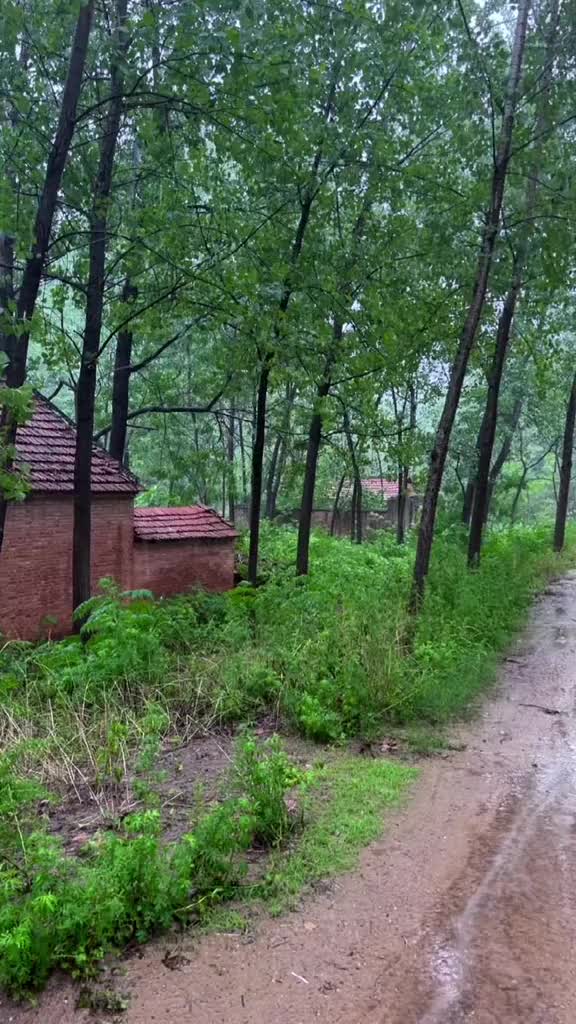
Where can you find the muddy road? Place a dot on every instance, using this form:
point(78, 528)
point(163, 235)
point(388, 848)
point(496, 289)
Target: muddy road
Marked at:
point(465, 911)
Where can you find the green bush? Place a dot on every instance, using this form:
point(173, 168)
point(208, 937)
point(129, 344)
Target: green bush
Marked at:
point(264, 774)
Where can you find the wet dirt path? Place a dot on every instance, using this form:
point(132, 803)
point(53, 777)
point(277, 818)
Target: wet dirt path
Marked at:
point(465, 911)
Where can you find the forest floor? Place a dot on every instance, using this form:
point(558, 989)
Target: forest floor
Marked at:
point(464, 911)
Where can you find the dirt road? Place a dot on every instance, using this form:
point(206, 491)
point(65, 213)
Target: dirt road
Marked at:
point(465, 911)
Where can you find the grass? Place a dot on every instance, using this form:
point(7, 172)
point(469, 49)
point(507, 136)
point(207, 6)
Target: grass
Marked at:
point(346, 804)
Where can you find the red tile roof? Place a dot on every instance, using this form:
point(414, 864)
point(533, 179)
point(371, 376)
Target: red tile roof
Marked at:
point(195, 522)
point(45, 449)
point(378, 485)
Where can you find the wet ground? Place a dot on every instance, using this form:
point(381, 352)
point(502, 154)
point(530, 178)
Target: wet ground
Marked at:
point(465, 911)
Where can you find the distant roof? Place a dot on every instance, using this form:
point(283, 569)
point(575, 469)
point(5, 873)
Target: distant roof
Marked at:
point(193, 522)
point(378, 485)
point(45, 449)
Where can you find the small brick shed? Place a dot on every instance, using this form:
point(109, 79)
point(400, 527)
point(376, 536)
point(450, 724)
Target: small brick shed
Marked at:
point(166, 550)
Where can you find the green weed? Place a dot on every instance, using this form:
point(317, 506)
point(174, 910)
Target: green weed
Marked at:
point(344, 808)
point(62, 912)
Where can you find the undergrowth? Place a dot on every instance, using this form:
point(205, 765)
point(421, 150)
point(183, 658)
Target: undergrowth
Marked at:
point(325, 655)
point(66, 912)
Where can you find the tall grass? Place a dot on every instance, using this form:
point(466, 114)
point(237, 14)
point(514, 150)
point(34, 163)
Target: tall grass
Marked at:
point(326, 653)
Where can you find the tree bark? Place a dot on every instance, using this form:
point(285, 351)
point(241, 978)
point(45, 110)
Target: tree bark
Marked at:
point(86, 390)
point(336, 504)
point(354, 508)
point(475, 310)
point(121, 382)
point(401, 504)
point(17, 343)
point(271, 476)
point(356, 531)
point(309, 487)
point(506, 446)
point(282, 458)
point(518, 494)
point(231, 474)
point(242, 459)
point(278, 457)
point(488, 428)
point(257, 463)
point(565, 470)
point(468, 501)
point(6, 297)
point(497, 466)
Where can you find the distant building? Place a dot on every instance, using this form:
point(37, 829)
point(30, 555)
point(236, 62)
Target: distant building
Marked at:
point(378, 513)
point(166, 550)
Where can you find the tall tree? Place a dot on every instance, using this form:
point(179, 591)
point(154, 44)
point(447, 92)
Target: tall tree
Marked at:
point(16, 339)
point(565, 469)
point(86, 389)
point(487, 432)
point(475, 309)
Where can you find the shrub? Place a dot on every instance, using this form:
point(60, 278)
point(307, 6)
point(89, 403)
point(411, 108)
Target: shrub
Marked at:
point(264, 774)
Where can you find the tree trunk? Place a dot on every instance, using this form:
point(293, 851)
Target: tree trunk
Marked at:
point(518, 494)
point(497, 466)
point(271, 477)
point(356, 531)
point(257, 462)
point(278, 478)
point(401, 504)
point(336, 503)
point(121, 382)
point(17, 345)
point(565, 470)
point(242, 459)
point(6, 297)
point(506, 446)
point(353, 508)
point(476, 307)
point(268, 357)
point(231, 474)
point(468, 501)
point(359, 513)
point(488, 428)
point(309, 487)
point(86, 390)
point(278, 457)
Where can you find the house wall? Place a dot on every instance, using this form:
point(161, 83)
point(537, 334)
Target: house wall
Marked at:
point(36, 560)
point(175, 567)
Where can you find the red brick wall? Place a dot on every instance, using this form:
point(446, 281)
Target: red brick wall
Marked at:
point(175, 567)
point(36, 560)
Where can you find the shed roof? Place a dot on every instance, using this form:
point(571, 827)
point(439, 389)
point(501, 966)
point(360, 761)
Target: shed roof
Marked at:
point(385, 488)
point(379, 485)
point(45, 450)
point(193, 522)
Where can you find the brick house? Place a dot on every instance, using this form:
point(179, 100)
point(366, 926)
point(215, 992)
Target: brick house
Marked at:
point(379, 511)
point(166, 550)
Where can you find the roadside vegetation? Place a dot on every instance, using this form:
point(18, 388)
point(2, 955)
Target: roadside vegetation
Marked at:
point(301, 263)
point(329, 657)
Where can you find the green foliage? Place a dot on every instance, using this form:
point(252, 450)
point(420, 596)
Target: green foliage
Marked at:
point(344, 804)
point(57, 911)
point(265, 774)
